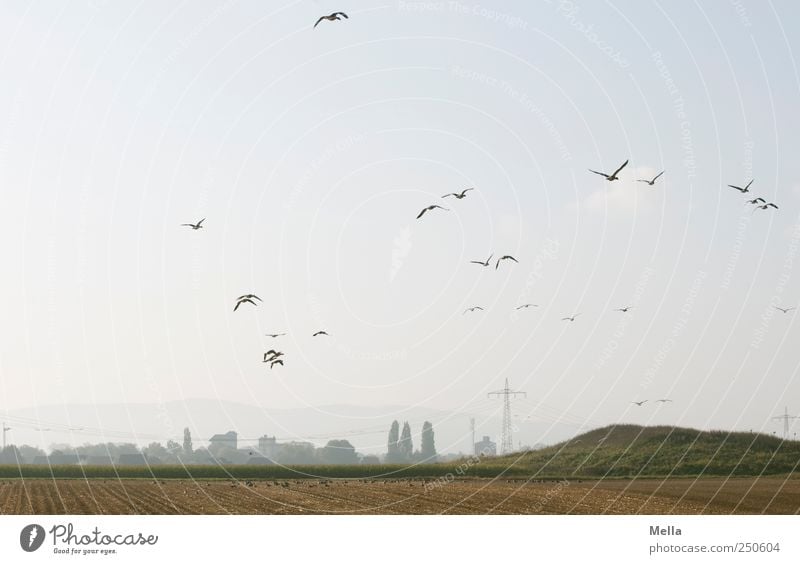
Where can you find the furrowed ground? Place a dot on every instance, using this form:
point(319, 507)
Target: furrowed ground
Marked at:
point(773, 495)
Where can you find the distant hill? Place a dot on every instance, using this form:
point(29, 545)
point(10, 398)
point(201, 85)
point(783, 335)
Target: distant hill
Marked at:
point(631, 450)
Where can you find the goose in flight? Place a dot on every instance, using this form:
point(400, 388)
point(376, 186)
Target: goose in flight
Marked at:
point(765, 207)
point(740, 189)
point(472, 309)
point(570, 318)
point(757, 201)
point(527, 305)
point(784, 310)
point(652, 182)
point(195, 226)
point(505, 257)
point(244, 300)
point(273, 335)
point(429, 208)
point(613, 176)
point(624, 309)
point(458, 196)
point(483, 263)
point(274, 362)
point(320, 333)
point(639, 403)
point(664, 401)
point(271, 355)
point(332, 18)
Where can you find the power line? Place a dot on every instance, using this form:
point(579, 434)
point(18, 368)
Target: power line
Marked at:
point(786, 417)
point(507, 440)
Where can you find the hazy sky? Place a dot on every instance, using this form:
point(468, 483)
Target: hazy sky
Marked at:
point(311, 151)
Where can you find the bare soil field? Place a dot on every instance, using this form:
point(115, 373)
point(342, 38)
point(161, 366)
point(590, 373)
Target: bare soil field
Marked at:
point(472, 496)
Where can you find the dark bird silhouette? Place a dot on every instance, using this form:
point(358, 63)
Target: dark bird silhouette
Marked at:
point(273, 335)
point(249, 297)
point(624, 309)
point(757, 201)
point(483, 263)
point(664, 401)
point(472, 309)
point(505, 257)
point(320, 333)
point(274, 362)
point(527, 305)
point(271, 355)
point(570, 318)
point(652, 182)
point(613, 176)
point(639, 403)
point(195, 226)
point(765, 207)
point(740, 189)
point(458, 196)
point(332, 18)
point(786, 310)
point(243, 301)
point(429, 208)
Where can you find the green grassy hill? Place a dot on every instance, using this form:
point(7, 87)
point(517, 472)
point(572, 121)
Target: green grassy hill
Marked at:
point(629, 450)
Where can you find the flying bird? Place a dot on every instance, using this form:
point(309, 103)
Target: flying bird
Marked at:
point(765, 207)
point(570, 318)
point(483, 263)
point(271, 355)
point(249, 297)
point(320, 333)
point(613, 176)
point(624, 309)
point(332, 18)
point(740, 189)
point(639, 403)
point(273, 335)
point(429, 208)
point(195, 226)
point(274, 362)
point(505, 257)
point(786, 310)
point(527, 305)
point(664, 401)
point(458, 196)
point(757, 201)
point(472, 309)
point(244, 301)
point(652, 182)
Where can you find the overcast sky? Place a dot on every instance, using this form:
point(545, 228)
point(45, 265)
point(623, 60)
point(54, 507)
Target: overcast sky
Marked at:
point(311, 151)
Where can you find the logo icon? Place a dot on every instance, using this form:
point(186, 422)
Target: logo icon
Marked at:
point(31, 537)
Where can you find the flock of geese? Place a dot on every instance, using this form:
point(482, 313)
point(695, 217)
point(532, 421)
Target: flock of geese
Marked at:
point(275, 357)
